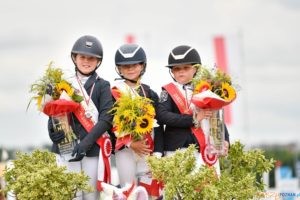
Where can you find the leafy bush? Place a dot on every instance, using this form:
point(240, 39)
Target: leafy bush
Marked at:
point(37, 176)
point(241, 173)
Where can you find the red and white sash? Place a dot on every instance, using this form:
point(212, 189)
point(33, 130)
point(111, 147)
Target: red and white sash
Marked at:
point(180, 101)
point(104, 171)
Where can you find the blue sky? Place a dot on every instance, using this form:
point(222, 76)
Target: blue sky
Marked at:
point(35, 32)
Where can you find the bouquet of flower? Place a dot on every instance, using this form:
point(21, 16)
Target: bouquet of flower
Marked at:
point(56, 97)
point(213, 90)
point(52, 86)
point(133, 116)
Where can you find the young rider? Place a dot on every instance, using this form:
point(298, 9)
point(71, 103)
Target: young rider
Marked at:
point(90, 127)
point(175, 107)
point(131, 61)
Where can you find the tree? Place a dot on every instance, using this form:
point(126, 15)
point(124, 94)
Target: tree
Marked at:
point(37, 176)
point(238, 180)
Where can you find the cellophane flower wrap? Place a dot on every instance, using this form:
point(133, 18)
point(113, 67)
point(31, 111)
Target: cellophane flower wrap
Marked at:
point(213, 89)
point(133, 116)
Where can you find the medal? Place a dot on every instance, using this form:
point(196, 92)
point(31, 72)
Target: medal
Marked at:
point(88, 114)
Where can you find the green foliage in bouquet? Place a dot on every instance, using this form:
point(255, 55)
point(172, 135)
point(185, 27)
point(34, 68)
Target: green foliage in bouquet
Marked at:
point(241, 173)
point(37, 176)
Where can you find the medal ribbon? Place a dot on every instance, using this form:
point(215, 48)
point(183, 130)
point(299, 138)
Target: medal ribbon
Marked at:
point(83, 92)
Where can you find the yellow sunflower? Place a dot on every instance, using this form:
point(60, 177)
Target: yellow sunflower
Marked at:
point(149, 109)
point(133, 115)
point(228, 92)
point(144, 125)
point(64, 86)
point(202, 86)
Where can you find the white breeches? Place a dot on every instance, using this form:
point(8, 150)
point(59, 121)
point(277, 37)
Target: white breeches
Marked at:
point(130, 166)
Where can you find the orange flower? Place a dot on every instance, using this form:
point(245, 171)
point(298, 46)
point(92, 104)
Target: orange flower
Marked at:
point(202, 86)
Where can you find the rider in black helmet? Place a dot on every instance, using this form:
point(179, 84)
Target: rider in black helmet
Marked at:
point(175, 109)
point(94, 120)
point(131, 61)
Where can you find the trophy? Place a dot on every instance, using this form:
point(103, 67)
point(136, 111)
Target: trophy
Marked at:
point(61, 123)
point(214, 130)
